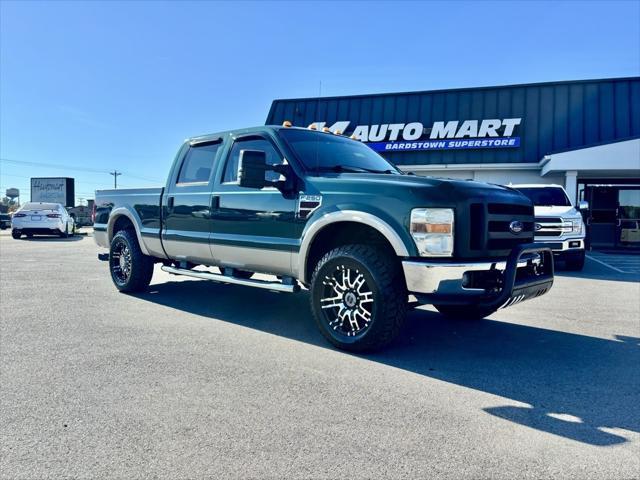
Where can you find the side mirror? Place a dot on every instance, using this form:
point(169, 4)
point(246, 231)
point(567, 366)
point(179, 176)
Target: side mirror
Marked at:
point(251, 169)
point(583, 205)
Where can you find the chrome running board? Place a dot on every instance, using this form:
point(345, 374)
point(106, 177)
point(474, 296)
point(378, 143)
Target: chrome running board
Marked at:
point(216, 277)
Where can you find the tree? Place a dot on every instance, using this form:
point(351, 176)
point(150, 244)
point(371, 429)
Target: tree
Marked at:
point(8, 205)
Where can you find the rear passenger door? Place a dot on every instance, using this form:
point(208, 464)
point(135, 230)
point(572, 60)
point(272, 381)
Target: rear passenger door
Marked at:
point(187, 205)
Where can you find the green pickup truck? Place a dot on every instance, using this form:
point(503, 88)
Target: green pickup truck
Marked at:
point(321, 211)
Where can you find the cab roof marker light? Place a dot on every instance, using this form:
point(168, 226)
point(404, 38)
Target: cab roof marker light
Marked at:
point(286, 124)
point(312, 127)
point(326, 130)
point(338, 132)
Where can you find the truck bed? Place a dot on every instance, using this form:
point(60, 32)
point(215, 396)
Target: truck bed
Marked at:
point(142, 204)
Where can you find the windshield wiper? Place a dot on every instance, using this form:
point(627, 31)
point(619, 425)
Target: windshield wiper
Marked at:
point(350, 169)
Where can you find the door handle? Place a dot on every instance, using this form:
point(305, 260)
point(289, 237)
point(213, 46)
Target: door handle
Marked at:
point(215, 202)
point(170, 202)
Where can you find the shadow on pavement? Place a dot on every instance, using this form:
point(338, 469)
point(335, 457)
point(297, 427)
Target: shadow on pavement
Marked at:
point(595, 271)
point(572, 385)
point(52, 238)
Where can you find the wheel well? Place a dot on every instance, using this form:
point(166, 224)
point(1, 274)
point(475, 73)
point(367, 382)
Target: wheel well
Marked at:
point(344, 233)
point(122, 223)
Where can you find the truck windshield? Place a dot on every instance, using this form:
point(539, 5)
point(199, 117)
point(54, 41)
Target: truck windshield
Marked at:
point(546, 196)
point(324, 152)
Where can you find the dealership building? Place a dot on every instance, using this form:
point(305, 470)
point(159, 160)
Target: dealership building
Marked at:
point(583, 135)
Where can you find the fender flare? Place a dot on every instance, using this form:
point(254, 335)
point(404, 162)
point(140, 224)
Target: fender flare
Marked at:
point(135, 219)
point(312, 230)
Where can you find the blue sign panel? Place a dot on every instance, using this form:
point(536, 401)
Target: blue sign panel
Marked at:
point(458, 144)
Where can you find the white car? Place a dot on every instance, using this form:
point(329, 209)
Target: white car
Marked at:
point(558, 223)
point(39, 218)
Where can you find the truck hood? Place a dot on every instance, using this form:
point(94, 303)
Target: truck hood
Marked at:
point(556, 211)
point(413, 187)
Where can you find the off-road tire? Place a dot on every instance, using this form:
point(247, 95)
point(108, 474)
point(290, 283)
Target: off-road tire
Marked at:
point(383, 278)
point(16, 234)
point(575, 262)
point(465, 312)
point(140, 265)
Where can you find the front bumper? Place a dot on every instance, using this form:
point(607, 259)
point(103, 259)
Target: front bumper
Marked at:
point(40, 226)
point(562, 245)
point(526, 273)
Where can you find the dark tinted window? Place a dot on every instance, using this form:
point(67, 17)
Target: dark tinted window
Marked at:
point(273, 158)
point(323, 151)
point(198, 164)
point(547, 196)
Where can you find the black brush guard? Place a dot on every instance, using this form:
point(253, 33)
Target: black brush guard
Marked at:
point(524, 283)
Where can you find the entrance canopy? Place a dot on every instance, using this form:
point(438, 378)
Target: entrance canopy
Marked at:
point(618, 159)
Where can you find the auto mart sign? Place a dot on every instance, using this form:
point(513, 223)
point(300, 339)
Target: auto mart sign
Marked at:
point(451, 135)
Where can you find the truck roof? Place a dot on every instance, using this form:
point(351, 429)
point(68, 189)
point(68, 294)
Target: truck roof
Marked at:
point(240, 131)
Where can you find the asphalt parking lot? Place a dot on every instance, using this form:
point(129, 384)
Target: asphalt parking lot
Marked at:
point(195, 379)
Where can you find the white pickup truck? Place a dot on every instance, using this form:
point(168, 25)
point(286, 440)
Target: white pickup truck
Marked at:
point(558, 224)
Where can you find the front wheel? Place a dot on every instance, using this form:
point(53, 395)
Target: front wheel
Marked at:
point(16, 234)
point(575, 262)
point(131, 270)
point(465, 312)
point(358, 297)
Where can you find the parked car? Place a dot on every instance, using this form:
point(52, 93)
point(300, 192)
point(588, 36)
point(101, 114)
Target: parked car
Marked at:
point(39, 218)
point(558, 223)
point(5, 221)
point(329, 213)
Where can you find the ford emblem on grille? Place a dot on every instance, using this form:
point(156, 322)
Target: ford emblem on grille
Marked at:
point(516, 226)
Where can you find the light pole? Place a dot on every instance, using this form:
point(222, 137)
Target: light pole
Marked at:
point(115, 174)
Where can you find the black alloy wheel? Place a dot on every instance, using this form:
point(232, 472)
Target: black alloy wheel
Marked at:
point(347, 301)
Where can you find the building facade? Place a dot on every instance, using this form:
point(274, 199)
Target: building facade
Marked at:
point(584, 135)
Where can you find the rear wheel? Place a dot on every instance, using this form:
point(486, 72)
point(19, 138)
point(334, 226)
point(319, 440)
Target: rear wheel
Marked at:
point(358, 297)
point(65, 233)
point(131, 270)
point(465, 312)
point(16, 234)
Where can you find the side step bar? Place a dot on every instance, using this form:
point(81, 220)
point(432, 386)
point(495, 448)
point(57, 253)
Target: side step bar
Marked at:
point(216, 277)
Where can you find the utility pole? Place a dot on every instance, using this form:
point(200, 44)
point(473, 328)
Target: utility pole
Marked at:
point(115, 174)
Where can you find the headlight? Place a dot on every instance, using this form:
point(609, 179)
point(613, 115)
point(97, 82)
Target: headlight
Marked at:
point(577, 226)
point(432, 231)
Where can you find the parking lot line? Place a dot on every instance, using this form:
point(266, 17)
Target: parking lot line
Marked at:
point(605, 264)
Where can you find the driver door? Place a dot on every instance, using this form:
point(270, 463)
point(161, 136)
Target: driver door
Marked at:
point(252, 229)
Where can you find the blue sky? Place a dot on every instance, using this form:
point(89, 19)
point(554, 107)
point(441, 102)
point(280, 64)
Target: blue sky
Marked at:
point(119, 85)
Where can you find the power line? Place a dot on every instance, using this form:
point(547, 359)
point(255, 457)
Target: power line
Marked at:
point(103, 185)
point(74, 167)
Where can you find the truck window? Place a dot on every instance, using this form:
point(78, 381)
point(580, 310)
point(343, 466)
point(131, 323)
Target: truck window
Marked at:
point(273, 158)
point(198, 163)
point(546, 196)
